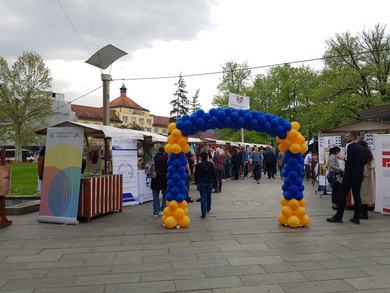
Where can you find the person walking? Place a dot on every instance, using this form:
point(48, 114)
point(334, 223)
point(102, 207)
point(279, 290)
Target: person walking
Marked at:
point(367, 190)
point(218, 165)
point(257, 159)
point(353, 177)
point(334, 174)
point(269, 160)
point(227, 163)
point(244, 162)
point(307, 165)
point(280, 163)
point(41, 168)
point(204, 178)
point(159, 181)
point(236, 163)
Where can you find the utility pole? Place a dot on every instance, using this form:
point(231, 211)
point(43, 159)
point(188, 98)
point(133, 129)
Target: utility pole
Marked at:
point(242, 134)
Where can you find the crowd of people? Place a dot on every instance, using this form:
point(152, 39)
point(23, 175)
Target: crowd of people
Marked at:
point(212, 165)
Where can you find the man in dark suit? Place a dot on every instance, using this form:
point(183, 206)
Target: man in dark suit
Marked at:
point(159, 182)
point(353, 177)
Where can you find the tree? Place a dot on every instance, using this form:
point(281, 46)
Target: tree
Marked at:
point(235, 79)
point(358, 68)
point(194, 104)
point(25, 96)
point(180, 103)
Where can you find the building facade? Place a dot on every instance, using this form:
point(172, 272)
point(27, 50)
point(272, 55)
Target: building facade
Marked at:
point(93, 115)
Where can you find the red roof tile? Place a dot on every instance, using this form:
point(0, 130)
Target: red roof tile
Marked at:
point(125, 102)
point(161, 121)
point(93, 113)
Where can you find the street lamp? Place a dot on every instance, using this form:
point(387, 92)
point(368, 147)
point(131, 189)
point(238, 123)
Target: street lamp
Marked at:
point(102, 59)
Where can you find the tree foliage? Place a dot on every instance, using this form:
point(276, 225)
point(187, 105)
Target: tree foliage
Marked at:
point(180, 103)
point(356, 77)
point(25, 96)
point(194, 104)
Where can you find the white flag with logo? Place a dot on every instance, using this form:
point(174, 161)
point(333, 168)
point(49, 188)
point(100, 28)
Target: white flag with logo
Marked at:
point(238, 102)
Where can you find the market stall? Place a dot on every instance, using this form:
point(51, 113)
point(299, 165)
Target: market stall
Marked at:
point(105, 162)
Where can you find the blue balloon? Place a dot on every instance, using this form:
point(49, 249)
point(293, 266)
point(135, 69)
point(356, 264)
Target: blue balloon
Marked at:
point(206, 117)
point(182, 170)
point(176, 177)
point(287, 181)
point(182, 156)
point(179, 124)
point(199, 113)
point(240, 122)
point(261, 119)
point(171, 169)
point(274, 122)
point(193, 118)
point(279, 129)
point(293, 189)
point(176, 163)
point(179, 197)
point(287, 195)
point(200, 123)
point(301, 188)
point(188, 125)
point(281, 121)
point(228, 111)
point(292, 175)
point(221, 115)
point(298, 181)
point(298, 195)
point(214, 122)
point(170, 196)
point(183, 189)
point(268, 117)
point(248, 117)
point(282, 135)
point(285, 173)
point(228, 121)
point(292, 161)
point(213, 112)
point(184, 176)
point(285, 187)
point(183, 162)
point(267, 126)
point(241, 113)
point(286, 126)
point(185, 118)
point(255, 114)
point(234, 115)
point(253, 124)
point(175, 191)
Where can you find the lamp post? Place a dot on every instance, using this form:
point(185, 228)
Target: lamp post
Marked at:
point(102, 59)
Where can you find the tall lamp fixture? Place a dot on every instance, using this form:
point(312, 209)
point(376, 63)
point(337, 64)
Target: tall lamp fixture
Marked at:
point(103, 59)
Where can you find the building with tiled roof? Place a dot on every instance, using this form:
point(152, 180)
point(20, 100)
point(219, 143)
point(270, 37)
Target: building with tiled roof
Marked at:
point(93, 115)
point(134, 115)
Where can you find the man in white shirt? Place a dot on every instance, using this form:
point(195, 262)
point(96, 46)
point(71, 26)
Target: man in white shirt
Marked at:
point(307, 164)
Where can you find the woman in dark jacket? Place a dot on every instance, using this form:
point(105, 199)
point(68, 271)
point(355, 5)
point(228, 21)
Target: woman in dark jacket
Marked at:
point(159, 183)
point(218, 165)
point(204, 178)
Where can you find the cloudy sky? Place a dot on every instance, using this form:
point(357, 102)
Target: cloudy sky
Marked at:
point(166, 37)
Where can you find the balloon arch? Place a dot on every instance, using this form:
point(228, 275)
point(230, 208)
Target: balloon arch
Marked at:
point(287, 134)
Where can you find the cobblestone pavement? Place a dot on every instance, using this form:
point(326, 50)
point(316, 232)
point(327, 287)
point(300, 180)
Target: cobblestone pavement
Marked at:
point(238, 248)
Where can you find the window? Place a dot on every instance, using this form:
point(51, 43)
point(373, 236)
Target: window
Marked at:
point(141, 120)
point(133, 119)
point(149, 121)
point(124, 119)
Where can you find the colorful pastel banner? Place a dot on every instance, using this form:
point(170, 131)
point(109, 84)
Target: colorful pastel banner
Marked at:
point(62, 173)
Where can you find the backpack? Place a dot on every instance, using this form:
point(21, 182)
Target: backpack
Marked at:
point(150, 169)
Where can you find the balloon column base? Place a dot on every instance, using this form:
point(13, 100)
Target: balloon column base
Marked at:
point(176, 215)
point(293, 213)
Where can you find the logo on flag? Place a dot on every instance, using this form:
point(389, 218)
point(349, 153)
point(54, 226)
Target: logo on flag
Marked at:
point(238, 102)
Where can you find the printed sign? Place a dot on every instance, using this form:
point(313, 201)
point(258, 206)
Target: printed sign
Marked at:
point(382, 171)
point(238, 102)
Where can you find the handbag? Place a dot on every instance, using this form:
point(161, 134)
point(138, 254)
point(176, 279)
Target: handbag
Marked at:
point(331, 178)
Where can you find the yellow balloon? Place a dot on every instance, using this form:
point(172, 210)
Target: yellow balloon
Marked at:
point(278, 140)
point(183, 204)
point(171, 126)
point(173, 205)
point(168, 148)
point(295, 125)
point(176, 149)
point(302, 203)
point(292, 134)
point(176, 133)
point(283, 147)
point(182, 141)
point(287, 142)
point(305, 220)
point(300, 139)
point(293, 221)
point(167, 212)
point(163, 219)
point(185, 211)
point(304, 148)
point(282, 219)
point(184, 221)
point(178, 213)
point(295, 148)
point(293, 204)
point(283, 202)
point(287, 211)
point(300, 212)
point(186, 148)
point(171, 139)
point(170, 222)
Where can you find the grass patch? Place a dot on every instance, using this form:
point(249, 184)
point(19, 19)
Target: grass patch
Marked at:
point(24, 179)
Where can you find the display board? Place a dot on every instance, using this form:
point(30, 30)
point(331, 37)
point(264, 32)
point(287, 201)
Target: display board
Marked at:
point(61, 177)
point(144, 187)
point(124, 162)
point(382, 172)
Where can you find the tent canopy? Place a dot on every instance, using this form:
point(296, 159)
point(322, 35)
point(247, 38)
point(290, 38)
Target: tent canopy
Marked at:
point(360, 126)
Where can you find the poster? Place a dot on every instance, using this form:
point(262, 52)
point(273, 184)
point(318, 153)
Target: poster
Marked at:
point(238, 102)
point(124, 162)
point(382, 172)
point(325, 143)
point(369, 138)
point(144, 187)
point(61, 177)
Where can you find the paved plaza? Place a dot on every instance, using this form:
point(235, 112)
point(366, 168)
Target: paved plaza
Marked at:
point(238, 248)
